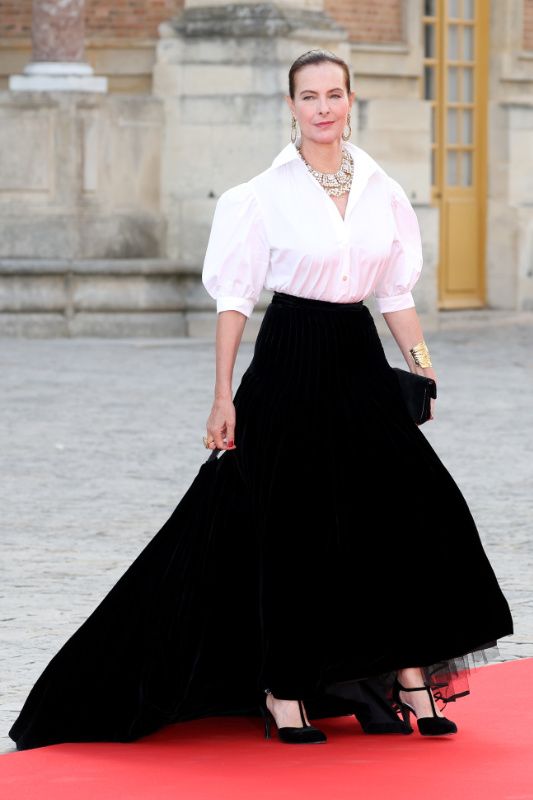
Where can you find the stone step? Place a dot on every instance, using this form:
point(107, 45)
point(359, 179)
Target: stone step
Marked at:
point(150, 297)
point(108, 298)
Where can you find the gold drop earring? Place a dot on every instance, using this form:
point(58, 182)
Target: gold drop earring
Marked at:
point(293, 130)
point(349, 129)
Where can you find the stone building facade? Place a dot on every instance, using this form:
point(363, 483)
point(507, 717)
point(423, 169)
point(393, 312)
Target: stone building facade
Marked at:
point(122, 122)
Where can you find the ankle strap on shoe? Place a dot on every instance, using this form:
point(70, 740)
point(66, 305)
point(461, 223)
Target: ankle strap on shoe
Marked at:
point(426, 687)
point(414, 688)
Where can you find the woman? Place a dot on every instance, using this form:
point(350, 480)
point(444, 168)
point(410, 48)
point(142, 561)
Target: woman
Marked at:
point(296, 576)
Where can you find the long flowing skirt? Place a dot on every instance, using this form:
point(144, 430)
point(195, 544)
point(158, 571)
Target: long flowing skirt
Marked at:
point(331, 548)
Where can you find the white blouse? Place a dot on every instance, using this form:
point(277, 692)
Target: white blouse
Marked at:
point(281, 231)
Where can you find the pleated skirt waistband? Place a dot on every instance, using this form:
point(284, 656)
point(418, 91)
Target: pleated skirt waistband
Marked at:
point(282, 298)
point(303, 340)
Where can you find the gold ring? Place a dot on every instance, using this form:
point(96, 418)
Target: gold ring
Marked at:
point(206, 442)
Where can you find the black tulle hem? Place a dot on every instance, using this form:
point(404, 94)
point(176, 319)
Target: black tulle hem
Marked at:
point(370, 697)
point(450, 677)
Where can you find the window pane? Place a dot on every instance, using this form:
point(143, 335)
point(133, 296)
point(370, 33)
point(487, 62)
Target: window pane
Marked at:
point(468, 9)
point(453, 42)
point(452, 126)
point(468, 43)
point(451, 160)
point(429, 83)
point(429, 41)
point(467, 126)
point(452, 84)
point(429, 8)
point(468, 85)
point(453, 8)
point(466, 177)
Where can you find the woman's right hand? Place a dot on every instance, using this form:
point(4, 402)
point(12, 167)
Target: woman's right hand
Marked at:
point(221, 424)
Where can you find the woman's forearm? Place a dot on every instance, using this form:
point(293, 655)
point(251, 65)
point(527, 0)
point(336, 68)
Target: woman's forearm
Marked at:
point(230, 326)
point(407, 331)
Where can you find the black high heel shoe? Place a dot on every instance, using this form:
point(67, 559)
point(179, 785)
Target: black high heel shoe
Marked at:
point(308, 734)
point(428, 726)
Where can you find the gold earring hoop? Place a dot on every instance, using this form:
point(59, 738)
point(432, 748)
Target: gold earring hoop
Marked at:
point(293, 130)
point(349, 129)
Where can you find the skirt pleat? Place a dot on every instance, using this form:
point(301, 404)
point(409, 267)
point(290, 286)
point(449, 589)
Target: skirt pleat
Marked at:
point(331, 548)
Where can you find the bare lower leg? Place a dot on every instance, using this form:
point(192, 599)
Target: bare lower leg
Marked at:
point(410, 677)
point(285, 712)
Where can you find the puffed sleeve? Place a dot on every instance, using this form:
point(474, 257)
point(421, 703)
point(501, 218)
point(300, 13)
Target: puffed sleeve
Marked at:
point(238, 252)
point(393, 288)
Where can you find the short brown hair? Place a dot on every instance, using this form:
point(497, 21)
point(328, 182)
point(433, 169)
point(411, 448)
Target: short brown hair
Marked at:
point(317, 57)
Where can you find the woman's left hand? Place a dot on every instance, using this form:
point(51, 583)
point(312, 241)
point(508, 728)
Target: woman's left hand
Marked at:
point(428, 372)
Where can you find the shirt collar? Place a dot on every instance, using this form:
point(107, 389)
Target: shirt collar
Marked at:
point(365, 165)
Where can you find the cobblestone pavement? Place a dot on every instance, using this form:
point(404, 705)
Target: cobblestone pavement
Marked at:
point(100, 439)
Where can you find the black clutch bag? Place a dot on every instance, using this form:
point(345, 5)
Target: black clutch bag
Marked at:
point(417, 391)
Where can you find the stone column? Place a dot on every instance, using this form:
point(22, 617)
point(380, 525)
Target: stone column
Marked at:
point(58, 36)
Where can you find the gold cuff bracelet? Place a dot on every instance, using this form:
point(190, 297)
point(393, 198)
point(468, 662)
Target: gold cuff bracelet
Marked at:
point(420, 354)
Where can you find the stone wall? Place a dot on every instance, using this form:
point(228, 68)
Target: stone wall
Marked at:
point(82, 233)
point(368, 21)
point(510, 163)
point(83, 175)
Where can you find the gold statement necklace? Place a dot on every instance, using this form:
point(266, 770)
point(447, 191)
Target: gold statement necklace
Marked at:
point(334, 183)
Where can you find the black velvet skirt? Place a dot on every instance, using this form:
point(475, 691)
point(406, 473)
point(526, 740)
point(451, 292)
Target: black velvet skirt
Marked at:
point(331, 548)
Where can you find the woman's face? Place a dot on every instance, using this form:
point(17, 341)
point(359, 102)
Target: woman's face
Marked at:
point(321, 103)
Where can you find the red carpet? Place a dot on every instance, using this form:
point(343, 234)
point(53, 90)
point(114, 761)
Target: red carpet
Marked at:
point(490, 758)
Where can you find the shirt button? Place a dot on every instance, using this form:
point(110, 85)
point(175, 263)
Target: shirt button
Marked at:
point(344, 277)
